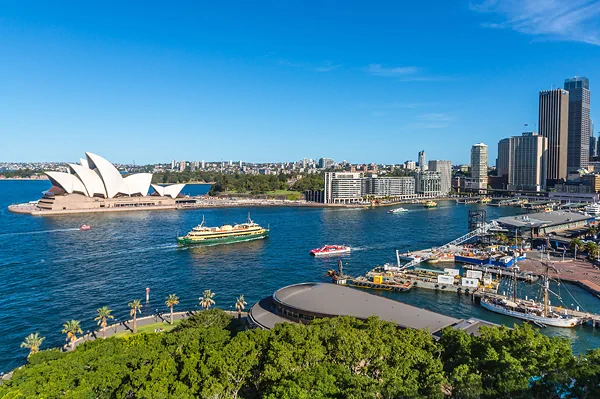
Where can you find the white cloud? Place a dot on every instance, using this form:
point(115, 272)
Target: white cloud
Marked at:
point(436, 117)
point(572, 20)
point(378, 70)
point(326, 66)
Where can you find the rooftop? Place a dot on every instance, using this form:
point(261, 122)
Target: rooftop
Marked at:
point(330, 300)
point(542, 219)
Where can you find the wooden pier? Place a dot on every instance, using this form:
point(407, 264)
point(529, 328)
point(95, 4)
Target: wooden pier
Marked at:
point(525, 276)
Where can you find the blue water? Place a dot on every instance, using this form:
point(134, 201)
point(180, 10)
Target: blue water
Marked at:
point(52, 272)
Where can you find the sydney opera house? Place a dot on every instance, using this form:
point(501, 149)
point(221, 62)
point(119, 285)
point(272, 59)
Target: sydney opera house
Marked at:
point(96, 184)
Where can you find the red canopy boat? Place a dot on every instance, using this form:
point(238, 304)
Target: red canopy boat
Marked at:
point(85, 227)
point(330, 250)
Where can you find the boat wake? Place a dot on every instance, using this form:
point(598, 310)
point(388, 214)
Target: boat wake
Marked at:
point(38, 232)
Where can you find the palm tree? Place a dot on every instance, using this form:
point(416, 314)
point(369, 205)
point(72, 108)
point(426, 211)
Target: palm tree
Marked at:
point(33, 342)
point(592, 249)
point(171, 301)
point(72, 328)
point(502, 238)
point(136, 307)
point(576, 245)
point(593, 230)
point(206, 300)
point(239, 305)
point(104, 313)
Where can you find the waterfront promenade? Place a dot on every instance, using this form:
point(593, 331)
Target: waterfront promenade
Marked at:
point(206, 202)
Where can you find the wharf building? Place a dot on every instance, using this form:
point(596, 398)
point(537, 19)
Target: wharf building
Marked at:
point(553, 124)
point(97, 185)
point(527, 155)
point(479, 165)
point(445, 170)
point(302, 303)
point(354, 187)
point(579, 123)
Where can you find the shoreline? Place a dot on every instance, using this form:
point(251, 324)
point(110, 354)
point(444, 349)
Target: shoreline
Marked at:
point(206, 203)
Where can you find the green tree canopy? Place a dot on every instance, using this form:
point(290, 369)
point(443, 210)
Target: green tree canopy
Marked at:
point(330, 358)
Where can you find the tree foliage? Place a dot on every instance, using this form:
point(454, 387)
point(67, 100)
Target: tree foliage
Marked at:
point(330, 358)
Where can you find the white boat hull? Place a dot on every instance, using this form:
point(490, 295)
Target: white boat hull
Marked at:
point(548, 321)
point(342, 251)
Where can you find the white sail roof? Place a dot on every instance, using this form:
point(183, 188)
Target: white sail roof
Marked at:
point(138, 183)
point(168, 191)
point(113, 181)
point(68, 182)
point(98, 177)
point(92, 181)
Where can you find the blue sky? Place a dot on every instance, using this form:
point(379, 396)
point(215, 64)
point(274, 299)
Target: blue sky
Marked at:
point(365, 81)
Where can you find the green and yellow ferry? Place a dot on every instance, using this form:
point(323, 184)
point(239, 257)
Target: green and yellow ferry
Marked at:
point(226, 234)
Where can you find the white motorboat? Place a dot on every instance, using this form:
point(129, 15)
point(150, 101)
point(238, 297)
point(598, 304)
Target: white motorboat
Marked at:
point(593, 209)
point(397, 210)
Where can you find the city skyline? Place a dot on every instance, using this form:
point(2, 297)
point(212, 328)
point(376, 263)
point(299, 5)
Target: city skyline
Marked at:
point(246, 83)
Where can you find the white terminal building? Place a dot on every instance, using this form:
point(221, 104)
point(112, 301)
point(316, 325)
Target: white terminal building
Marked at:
point(96, 184)
point(354, 187)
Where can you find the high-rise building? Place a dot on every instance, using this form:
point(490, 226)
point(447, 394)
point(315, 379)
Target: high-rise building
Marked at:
point(528, 162)
point(479, 166)
point(343, 187)
point(422, 160)
point(503, 161)
point(554, 125)
point(428, 183)
point(173, 163)
point(593, 146)
point(182, 166)
point(241, 165)
point(445, 170)
point(579, 123)
point(203, 163)
point(325, 163)
point(410, 165)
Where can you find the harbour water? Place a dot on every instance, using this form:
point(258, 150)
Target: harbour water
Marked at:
point(51, 272)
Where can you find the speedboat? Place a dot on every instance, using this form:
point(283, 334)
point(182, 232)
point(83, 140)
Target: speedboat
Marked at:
point(330, 250)
point(85, 227)
point(397, 210)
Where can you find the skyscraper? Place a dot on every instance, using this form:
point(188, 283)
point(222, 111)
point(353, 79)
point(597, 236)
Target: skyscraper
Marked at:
point(445, 170)
point(503, 162)
point(554, 125)
point(422, 160)
point(325, 163)
point(579, 122)
point(528, 162)
point(479, 165)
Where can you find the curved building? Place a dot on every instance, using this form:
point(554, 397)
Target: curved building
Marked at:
point(301, 303)
point(95, 183)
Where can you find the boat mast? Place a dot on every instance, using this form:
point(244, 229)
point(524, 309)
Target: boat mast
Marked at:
point(546, 283)
point(515, 270)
